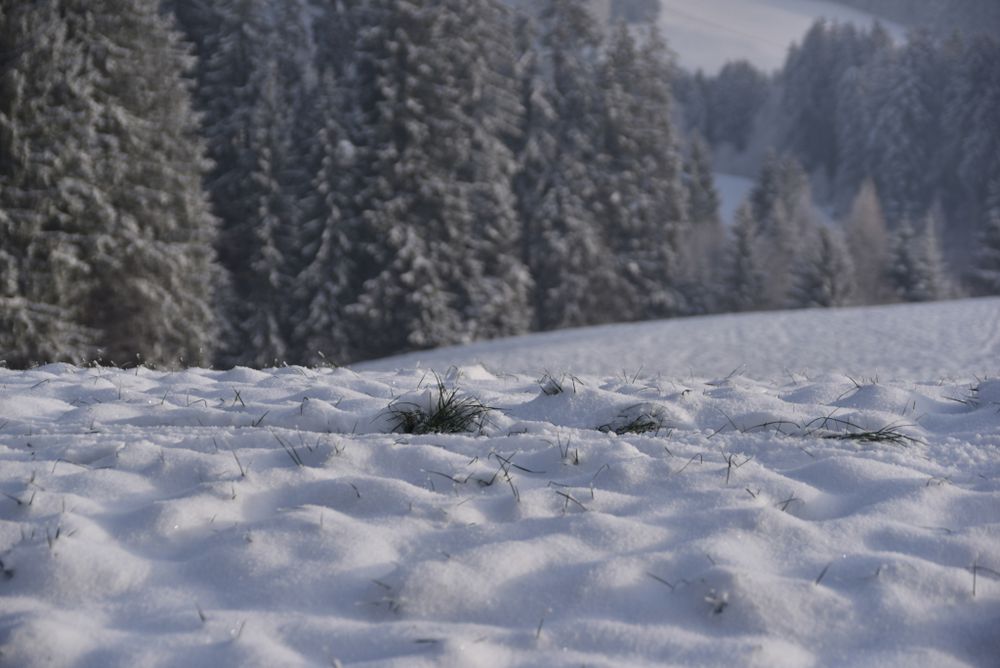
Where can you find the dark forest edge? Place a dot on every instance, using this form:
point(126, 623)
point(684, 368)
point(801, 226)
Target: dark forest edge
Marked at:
point(259, 182)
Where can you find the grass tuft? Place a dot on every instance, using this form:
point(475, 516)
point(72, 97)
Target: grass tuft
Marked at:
point(448, 413)
point(638, 419)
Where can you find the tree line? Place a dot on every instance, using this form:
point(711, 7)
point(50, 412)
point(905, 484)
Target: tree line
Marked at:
point(261, 182)
point(905, 135)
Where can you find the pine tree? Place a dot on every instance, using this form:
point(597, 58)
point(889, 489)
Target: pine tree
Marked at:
point(564, 230)
point(119, 239)
point(781, 208)
point(906, 130)
point(326, 283)
point(47, 187)
point(154, 265)
point(915, 270)
point(824, 276)
point(641, 200)
point(972, 141)
point(736, 96)
point(253, 86)
point(743, 286)
point(987, 272)
point(440, 230)
point(986, 275)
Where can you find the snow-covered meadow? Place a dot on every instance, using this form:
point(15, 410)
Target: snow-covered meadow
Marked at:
point(709, 33)
point(813, 488)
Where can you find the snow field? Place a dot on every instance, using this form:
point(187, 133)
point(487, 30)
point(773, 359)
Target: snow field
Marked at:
point(709, 33)
point(246, 518)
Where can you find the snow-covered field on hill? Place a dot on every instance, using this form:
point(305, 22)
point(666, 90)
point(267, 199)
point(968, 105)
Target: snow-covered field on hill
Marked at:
point(835, 501)
point(706, 34)
point(927, 342)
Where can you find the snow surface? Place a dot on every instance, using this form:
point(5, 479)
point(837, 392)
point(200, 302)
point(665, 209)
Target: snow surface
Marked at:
point(270, 518)
point(925, 342)
point(707, 34)
point(733, 191)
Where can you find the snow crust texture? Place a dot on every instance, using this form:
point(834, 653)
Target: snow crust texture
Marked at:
point(271, 518)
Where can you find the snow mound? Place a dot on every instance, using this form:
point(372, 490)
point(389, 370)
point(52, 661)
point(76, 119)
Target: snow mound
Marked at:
point(272, 517)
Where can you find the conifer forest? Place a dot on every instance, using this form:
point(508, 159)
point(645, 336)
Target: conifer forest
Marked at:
point(262, 182)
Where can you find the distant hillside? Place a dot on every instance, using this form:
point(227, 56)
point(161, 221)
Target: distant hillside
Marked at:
point(969, 16)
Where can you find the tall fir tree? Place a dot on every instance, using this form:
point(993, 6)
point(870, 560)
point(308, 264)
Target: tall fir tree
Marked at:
point(435, 201)
point(127, 231)
point(824, 275)
point(744, 282)
point(252, 90)
point(641, 199)
point(563, 227)
point(703, 239)
point(915, 270)
point(972, 140)
point(154, 264)
point(780, 205)
point(986, 274)
point(906, 130)
point(48, 187)
point(326, 282)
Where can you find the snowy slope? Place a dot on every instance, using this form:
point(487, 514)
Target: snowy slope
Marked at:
point(733, 191)
point(708, 33)
point(272, 518)
point(924, 342)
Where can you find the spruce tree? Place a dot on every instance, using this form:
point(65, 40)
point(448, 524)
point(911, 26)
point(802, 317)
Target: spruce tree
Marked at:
point(744, 282)
point(253, 84)
point(986, 275)
point(906, 130)
point(780, 205)
point(152, 293)
point(117, 242)
point(972, 140)
point(326, 284)
point(824, 275)
point(440, 234)
point(564, 228)
point(48, 187)
point(641, 198)
point(915, 270)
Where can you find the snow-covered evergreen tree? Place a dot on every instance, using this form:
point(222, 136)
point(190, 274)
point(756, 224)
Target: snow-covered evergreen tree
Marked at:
point(916, 270)
point(986, 275)
point(972, 140)
point(48, 188)
point(906, 130)
point(780, 205)
point(564, 230)
point(824, 276)
point(154, 275)
point(115, 229)
point(641, 200)
point(326, 283)
point(440, 239)
point(744, 282)
point(253, 82)
point(703, 239)
point(811, 81)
